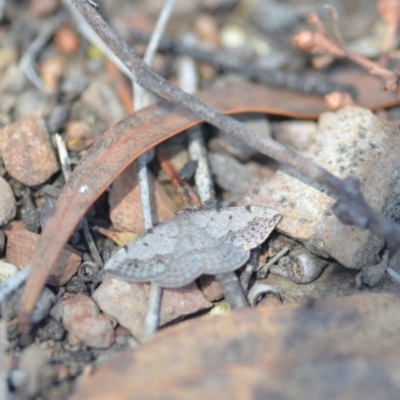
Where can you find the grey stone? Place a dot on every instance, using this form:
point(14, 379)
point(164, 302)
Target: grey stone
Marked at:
point(351, 141)
point(8, 207)
point(230, 174)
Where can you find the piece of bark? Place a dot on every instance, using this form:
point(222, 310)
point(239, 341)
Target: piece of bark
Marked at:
point(344, 348)
point(21, 244)
point(27, 152)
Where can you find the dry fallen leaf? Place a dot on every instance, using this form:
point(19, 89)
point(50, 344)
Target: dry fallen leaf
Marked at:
point(343, 348)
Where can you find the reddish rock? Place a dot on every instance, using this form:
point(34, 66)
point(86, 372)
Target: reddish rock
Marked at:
point(21, 245)
point(127, 302)
point(82, 319)
point(27, 152)
point(124, 200)
point(210, 288)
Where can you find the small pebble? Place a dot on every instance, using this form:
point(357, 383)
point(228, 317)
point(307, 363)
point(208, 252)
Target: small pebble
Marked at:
point(40, 8)
point(83, 320)
point(31, 102)
point(67, 40)
point(6, 270)
point(73, 86)
point(51, 73)
point(77, 285)
point(21, 245)
point(8, 207)
point(27, 152)
point(231, 175)
point(43, 305)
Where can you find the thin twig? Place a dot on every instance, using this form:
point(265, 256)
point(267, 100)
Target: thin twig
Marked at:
point(203, 178)
point(394, 275)
point(262, 273)
point(197, 150)
point(306, 82)
point(184, 190)
point(27, 62)
point(152, 318)
point(87, 32)
point(140, 101)
point(350, 207)
point(12, 284)
point(152, 47)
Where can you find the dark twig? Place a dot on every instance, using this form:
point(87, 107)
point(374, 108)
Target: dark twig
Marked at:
point(262, 273)
point(312, 82)
point(185, 191)
point(27, 62)
point(350, 207)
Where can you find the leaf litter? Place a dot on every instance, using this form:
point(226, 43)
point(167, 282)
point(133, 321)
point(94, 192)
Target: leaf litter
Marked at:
point(77, 350)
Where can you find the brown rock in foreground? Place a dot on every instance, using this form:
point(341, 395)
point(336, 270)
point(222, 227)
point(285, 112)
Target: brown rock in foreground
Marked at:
point(21, 245)
point(27, 152)
point(352, 141)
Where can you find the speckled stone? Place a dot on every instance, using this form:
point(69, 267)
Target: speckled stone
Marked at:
point(351, 141)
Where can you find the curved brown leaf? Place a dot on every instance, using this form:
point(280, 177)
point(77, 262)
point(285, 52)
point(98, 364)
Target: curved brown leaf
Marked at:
point(343, 348)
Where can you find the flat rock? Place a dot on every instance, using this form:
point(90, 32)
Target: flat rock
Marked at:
point(124, 200)
point(21, 245)
point(27, 152)
point(8, 207)
point(127, 302)
point(82, 319)
point(351, 141)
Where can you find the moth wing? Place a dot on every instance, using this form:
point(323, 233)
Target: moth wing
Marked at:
point(245, 227)
point(147, 256)
point(188, 266)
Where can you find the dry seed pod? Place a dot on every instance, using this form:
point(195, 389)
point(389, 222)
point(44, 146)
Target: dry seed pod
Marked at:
point(300, 266)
